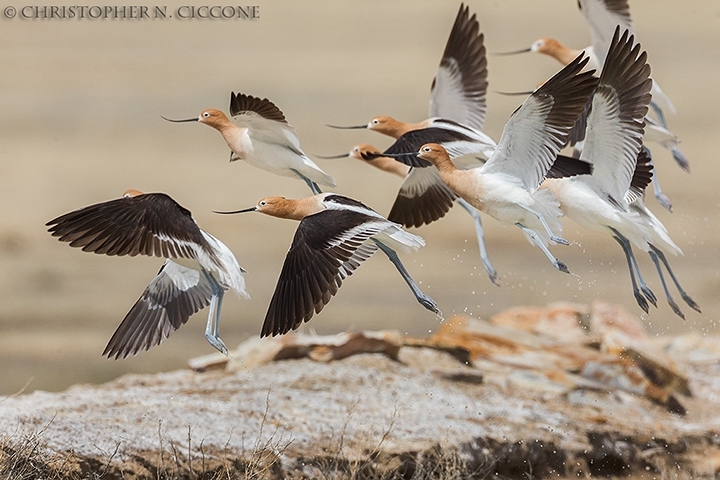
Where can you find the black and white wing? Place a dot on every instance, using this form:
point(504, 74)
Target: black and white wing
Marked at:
point(460, 86)
point(167, 303)
point(150, 224)
point(422, 199)
point(615, 123)
point(327, 247)
point(538, 129)
point(265, 121)
point(602, 16)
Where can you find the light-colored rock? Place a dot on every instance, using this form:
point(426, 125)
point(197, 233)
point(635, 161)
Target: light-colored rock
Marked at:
point(563, 321)
point(488, 395)
point(606, 318)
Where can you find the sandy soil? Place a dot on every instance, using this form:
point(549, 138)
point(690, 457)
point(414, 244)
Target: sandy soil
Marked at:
point(80, 123)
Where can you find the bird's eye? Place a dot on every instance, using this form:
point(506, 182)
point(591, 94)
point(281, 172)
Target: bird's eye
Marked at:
point(206, 114)
point(262, 203)
point(375, 121)
point(426, 149)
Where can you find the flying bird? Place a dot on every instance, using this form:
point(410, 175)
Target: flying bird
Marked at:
point(335, 235)
point(197, 271)
point(263, 138)
point(610, 200)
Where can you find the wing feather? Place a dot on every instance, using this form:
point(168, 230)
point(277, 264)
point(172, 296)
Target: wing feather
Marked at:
point(538, 129)
point(460, 85)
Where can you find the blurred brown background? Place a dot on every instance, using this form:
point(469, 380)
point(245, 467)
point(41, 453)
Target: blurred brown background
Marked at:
point(80, 123)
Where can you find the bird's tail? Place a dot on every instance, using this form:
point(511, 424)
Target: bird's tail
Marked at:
point(398, 239)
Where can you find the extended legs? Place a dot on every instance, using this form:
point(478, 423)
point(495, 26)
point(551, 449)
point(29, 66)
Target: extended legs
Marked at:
point(481, 239)
point(635, 271)
point(658, 256)
point(213, 322)
point(540, 217)
point(535, 238)
point(423, 299)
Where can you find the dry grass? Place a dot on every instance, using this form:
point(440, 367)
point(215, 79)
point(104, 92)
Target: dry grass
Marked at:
point(25, 457)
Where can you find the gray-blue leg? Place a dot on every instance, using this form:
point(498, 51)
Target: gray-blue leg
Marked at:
point(684, 295)
point(635, 271)
point(540, 217)
point(671, 301)
point(556, 263)
point(423, 299)
point(481, 240)
point(212, 329)
point(661, 116)
point(313, 186)
point(659, 195)
point(680, 159)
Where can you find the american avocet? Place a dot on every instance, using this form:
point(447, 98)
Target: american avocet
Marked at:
point(197, 271)
point(506, 186)
point(263, 138)
point(610, 199)
point(336, 234)
point(602, 16)
point(422, 198)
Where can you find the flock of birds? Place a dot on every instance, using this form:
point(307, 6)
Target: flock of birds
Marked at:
point(598, 103)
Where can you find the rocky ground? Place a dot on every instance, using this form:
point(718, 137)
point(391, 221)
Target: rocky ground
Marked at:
point(567, 390)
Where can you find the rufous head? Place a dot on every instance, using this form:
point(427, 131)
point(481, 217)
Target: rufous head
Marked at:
point(548, 46)
point(267, 205)
point(433, 153)
point(212, 116)
point(365, 152)
point(383, 124)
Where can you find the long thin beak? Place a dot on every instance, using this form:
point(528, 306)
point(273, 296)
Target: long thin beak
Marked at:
point(512, 94)
point(251, 209)
point(398, 155)
point(514, 52)
point(332, 157)
point(179, 121)
point(353, 127)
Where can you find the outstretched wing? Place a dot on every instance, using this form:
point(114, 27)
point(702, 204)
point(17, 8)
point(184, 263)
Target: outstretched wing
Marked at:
point(615, 124)
point(456, 139)
point(538, 129)
point(422, 199)
point(167, 303)
point(150, 224)
point(264, 121)
point(328, 246)
point(602, 16)
point(460, 85)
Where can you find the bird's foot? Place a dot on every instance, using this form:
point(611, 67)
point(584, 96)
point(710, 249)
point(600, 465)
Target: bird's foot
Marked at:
point(642, 302)
point(217, 343)
point(428, 303)
point(559, 240)
point(664, 201)
point(690, 302)
point(680, 159)
point(561, 266)
point(649, 295)
point(675, 308)
point(492, 274)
